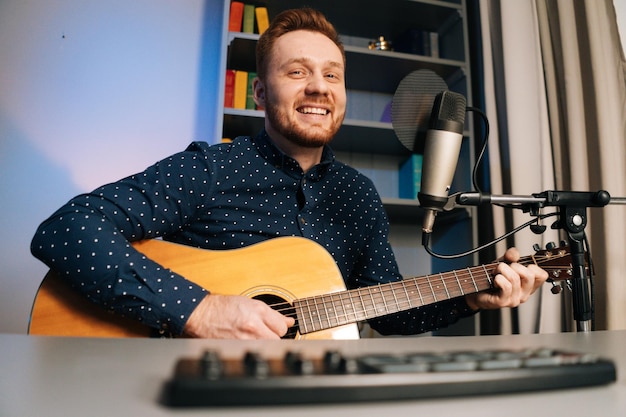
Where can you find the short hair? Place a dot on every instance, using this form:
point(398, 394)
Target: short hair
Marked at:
point(288, 21)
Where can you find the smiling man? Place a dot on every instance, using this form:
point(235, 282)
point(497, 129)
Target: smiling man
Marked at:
point(285, 181)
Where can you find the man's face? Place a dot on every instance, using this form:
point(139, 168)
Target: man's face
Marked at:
point(304, 94)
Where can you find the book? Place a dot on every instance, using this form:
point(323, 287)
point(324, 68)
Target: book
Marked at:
point(262, 19)
point(250, 104)
point(248, 18)
point(410, 177)
point(241, 89)
point(229, 88)
point(236, 16)
point(434, 44)
point(419, 42)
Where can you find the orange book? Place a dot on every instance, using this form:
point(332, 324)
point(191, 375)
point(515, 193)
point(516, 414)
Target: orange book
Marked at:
point(236, 16)
point(229, 88)
point(241, 89)
point(262, 19)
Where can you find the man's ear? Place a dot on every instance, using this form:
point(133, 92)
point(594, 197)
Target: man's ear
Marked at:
point(259, 92)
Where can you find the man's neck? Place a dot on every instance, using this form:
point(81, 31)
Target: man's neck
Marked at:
point(306, 157)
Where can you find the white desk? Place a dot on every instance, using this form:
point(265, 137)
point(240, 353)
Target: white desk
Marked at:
point(49, 376)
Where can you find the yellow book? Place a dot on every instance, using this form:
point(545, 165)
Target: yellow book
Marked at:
point(241, 89)
point(262, 19)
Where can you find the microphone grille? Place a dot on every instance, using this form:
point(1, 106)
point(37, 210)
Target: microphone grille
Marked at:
point(449, 106)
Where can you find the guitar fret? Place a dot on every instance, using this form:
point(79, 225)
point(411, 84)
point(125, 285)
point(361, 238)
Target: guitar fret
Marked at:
point(488, 275)
point(459, 282)
point(406, 292)
point(326, 311)
point(336, 304)
point(395, 299)
point(311, 315)
point(371, 297)
point(473, 281)
point(302, 319)
point(363, 307)
point(319, 317)
point(445, 287)
point(340, 309)
point(382, 297)
point(419, 292)
point(431, 287)
point(351, 306)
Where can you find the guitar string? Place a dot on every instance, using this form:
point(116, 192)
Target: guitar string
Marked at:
point(388, 288)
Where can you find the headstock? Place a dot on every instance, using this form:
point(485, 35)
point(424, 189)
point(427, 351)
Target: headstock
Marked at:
point(557, 261)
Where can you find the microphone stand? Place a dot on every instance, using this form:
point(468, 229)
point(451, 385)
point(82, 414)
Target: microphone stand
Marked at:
point(572, 212)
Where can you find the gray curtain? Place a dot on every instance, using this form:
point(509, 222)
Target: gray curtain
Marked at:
point(556, 92)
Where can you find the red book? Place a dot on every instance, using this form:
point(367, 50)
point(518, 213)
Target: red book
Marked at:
point(229, 89)
point(236, 16)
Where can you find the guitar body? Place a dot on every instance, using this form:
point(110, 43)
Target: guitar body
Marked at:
point(290, 267)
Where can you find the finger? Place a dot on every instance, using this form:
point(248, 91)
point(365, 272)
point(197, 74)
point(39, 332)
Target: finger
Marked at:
point(278, 323)
point(509, 274)
point(541, 275)
point(526, 281)
point(511, 255)
point(503, 286)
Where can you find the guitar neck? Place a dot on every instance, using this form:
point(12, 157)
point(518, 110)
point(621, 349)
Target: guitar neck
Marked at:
point(345, 307)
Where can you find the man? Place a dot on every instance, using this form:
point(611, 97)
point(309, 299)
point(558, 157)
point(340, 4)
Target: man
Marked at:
point(285, 181)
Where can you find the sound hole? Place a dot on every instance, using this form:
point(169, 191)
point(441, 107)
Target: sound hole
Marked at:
point(280, 304)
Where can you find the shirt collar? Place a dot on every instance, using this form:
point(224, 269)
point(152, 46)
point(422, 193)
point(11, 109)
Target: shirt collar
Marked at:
point(282, 161)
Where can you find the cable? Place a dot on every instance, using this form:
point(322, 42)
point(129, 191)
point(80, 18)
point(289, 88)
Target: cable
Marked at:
point(426, 239)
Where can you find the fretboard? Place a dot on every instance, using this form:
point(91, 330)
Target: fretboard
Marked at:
point(344, 307)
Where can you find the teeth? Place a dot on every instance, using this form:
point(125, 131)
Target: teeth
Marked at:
point(313, 110)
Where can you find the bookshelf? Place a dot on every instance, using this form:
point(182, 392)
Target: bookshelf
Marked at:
point(369, 91)
point(367, 140)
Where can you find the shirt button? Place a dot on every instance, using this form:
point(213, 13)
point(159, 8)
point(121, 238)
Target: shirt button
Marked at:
point(302, 221)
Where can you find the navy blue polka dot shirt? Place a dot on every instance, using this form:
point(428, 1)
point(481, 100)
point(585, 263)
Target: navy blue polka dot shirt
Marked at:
point(222, 197)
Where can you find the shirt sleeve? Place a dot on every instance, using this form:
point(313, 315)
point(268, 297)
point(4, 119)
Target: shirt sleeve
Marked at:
point(87, 242)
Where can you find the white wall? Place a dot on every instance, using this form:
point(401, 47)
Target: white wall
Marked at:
point(91, 91)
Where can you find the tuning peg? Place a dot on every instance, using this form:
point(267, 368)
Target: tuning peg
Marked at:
point(536, 247)
point(564, 243)
point(550, 245)
point(556, 289)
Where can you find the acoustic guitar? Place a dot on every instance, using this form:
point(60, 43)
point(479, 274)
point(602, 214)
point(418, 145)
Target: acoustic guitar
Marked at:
point(292, 274)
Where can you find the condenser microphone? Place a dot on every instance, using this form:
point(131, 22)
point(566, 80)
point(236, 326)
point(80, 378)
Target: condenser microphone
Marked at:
point(441, 154)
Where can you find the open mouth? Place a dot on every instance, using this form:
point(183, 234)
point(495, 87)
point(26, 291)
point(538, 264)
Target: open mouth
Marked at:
point(313, 110)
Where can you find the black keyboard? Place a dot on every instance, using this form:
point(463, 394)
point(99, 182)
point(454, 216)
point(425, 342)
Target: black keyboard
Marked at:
point(333, 377)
